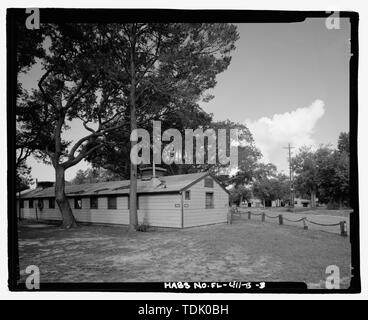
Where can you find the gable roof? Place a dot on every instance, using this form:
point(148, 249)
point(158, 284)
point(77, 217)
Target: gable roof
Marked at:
point(170, 184)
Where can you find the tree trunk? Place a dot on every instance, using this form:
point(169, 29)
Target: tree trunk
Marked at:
point(313, 199)
point(133, 216)
point(62, 200)
point(181, 169)
point(19, 210)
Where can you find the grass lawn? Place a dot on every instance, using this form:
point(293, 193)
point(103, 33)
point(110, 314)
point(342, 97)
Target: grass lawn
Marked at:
point(243, 251)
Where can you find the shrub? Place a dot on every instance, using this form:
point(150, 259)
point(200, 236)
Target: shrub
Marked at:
point(142, 227)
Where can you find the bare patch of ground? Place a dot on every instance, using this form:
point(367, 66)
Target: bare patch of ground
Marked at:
point(244, 251)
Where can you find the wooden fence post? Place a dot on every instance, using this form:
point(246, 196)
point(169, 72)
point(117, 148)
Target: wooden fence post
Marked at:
point(281, 220)
point(305, 225)
point(230, 215)
point(263, 217)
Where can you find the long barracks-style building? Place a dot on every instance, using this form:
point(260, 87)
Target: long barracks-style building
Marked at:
point(177, 201)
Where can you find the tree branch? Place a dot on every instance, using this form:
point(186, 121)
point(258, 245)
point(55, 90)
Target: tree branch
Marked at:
point(80, 157)
point(71, 100)
point(47, 97)
point(92, 135)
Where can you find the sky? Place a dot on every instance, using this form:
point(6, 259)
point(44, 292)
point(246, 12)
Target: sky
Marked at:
point(288, 82)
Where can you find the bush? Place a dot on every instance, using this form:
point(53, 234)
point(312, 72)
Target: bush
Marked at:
point(142, 227)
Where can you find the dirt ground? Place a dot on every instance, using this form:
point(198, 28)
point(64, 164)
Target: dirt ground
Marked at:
point(244, 251)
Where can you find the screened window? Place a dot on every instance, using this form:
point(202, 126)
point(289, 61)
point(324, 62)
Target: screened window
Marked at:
point(30, 203)
point(78, 203)
point(21, 203)
point(93, 202)
point(52, 203)
point(187, 195)
point(208, 182)
point(209, 200)
point(111, 203)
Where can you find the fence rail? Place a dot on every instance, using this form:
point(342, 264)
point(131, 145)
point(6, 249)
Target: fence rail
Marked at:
point(304, 220)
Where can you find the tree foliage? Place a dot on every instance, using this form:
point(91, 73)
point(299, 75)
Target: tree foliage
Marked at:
point(116, 76)
point(93, 175)
point(75, 85)
point(334, 177)
point(239, 194)
point(168, 67)
point(325, 172)
point(29, 49)
point(271, 188)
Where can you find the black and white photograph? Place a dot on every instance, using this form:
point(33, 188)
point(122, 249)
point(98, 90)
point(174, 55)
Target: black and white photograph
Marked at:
point(179, 151)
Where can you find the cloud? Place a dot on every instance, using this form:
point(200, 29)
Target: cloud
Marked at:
point(271, 135)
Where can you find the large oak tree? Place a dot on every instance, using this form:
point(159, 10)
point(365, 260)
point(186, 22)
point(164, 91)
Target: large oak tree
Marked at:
point(116, 77)
point(75, 85)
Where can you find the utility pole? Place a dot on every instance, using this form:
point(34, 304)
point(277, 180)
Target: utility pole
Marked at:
point(289, 147)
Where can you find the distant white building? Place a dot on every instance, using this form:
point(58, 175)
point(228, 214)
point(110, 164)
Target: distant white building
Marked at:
point(258, 203)
point(300, 202)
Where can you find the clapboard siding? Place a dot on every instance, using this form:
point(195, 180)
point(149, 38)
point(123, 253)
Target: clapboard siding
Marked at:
point(120, 215)
point(195, 212)
point(85, 214)
point(160, 210)
point(49, 214)
point(27, 212)
point(154, 210)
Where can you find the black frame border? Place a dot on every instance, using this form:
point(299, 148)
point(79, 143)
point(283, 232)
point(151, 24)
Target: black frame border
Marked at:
point(53, 15)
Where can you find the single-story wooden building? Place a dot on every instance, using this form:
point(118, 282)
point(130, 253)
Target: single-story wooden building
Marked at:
point(258, 203)
point(301, 202)
point(177, 201)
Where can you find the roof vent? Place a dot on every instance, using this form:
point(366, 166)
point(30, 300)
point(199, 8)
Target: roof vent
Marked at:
point(44, 184)
point(147, 173)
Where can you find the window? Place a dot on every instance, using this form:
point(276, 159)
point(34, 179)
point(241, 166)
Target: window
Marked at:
point(93, 202)
point(30, 203)
point(111, 202)
point(209, 200)
point(21, 203)
point(51, 203)
point(208, 182)
point(187, 195)
point(78, 203)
